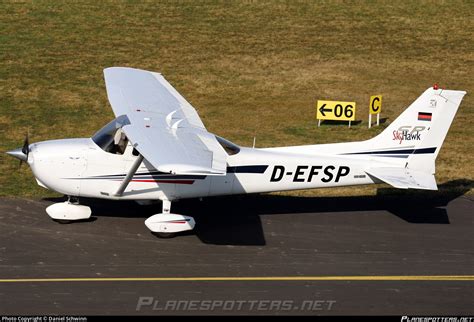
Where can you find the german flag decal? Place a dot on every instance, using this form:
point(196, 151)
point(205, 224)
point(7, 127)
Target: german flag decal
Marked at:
point(422, 116)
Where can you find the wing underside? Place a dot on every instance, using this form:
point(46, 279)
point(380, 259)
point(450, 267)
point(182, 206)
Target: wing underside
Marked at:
point(163, 127)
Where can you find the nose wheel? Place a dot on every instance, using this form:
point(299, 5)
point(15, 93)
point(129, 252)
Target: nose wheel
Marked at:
point(166, 224)
point(68, 211)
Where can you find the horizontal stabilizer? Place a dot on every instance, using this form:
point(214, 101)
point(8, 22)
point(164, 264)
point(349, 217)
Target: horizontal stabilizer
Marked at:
point(404, 178)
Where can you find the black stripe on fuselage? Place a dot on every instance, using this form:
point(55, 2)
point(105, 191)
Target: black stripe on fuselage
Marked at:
point(403, 151)
point(154, 174)
point(247, 169)
point(164, 175)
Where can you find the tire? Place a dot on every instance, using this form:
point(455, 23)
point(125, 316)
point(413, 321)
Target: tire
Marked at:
point(62, 221)
point(164, 235)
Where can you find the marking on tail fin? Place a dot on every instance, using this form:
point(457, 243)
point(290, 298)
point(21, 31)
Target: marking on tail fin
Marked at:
point(423, 116)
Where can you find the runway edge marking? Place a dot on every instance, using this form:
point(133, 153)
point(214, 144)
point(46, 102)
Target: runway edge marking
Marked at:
point(250, 278)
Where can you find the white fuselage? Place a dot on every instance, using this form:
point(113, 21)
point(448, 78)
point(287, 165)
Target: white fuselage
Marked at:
point(402, 155)
point(78, 167)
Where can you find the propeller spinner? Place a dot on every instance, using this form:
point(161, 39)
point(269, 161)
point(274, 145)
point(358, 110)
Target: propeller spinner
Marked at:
point(23, 152)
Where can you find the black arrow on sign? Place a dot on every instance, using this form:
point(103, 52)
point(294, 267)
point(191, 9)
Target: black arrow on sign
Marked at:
point(323, 110)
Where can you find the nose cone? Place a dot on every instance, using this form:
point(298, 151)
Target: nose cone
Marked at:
point(18, 153)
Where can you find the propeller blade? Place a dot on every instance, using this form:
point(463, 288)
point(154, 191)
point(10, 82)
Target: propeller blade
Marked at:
point(26, 147)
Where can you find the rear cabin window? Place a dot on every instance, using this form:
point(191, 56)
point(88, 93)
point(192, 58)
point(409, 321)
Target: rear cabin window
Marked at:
point(228, 146)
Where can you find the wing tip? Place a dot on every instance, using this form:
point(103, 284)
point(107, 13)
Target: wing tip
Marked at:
point(113, 69)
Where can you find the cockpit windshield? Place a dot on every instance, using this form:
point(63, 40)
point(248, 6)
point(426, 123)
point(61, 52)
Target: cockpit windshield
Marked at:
point(111, 138)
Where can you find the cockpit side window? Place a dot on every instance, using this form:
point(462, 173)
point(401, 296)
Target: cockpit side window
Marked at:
point(111, 137)
point(228, 146)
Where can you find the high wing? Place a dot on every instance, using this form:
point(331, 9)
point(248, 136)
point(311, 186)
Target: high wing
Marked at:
point(163, 127)
point(404, 178)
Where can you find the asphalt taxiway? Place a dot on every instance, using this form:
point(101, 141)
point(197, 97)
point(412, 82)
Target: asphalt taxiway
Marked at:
point(387, 254)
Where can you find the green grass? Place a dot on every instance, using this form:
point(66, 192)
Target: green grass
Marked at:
point(251, 68)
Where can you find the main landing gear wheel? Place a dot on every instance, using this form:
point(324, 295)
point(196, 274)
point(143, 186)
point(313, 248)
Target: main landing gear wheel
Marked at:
point(166, 224)
point(164, 235)
point(62, 221)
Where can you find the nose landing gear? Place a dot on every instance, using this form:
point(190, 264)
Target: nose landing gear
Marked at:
point(68, 211)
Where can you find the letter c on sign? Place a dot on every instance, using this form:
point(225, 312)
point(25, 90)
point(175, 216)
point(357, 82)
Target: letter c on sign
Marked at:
point(375, 108)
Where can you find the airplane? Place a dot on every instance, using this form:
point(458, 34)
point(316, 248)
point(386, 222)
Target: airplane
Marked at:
point(158, 149)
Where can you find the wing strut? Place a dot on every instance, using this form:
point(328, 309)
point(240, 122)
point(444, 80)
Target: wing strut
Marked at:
point(129, 175)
